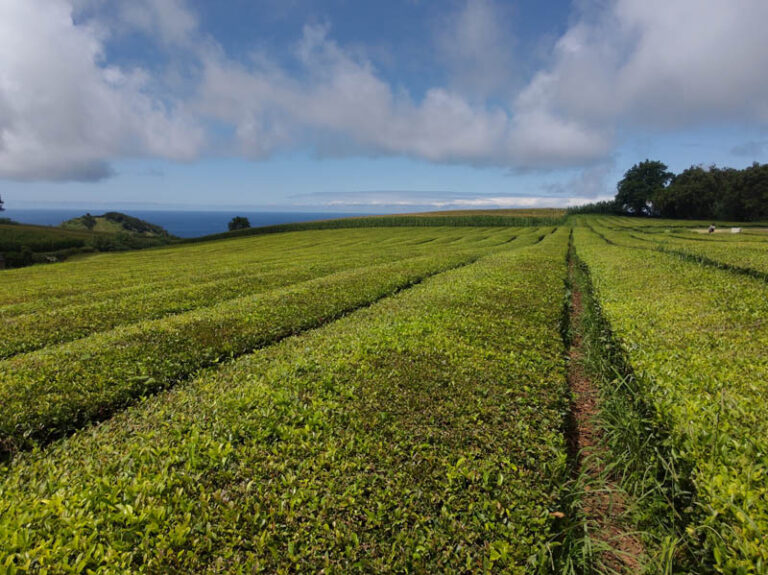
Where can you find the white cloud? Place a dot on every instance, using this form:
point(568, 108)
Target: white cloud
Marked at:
point(338, 103)
point(593, 182)
point(169, 21)
point(64, 111)
point(477, 45)
point(410, 200)
point(658, 63)
point(752, 149)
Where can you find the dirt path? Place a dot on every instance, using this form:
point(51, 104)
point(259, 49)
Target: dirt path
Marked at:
point(604, 504)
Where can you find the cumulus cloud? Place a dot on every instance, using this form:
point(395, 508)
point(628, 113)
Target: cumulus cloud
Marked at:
point(337, 97)
point(169, 21)
point(658, 64)
point(592, 183)
point(750, 149)
point(476, 44)
point(64, 111)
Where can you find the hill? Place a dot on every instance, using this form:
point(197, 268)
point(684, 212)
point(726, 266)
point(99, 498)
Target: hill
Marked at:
point(115, 222)
point(24, 244)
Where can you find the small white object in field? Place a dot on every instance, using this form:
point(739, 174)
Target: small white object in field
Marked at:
point(735, 230)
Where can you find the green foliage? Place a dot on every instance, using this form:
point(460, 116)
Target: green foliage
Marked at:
point(238, 223)
point(135, 225)
point(693, 338)
point(441, 219)
point(636, 191)
point(23, 244)
point(47, 393)
point(329, 414)
point(116, 222)
point(53, 306)
point(713, 193)
point(422, 434)
point(88, 221)
point(604, 207)
point(15, 237)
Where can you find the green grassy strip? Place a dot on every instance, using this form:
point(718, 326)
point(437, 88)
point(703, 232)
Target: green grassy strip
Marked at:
point(172, 266)
point(696, 339)
point(23, 244)
point(422, 435)
point(476, 220)
point(14, 237)
point(50, 392)
point(54, 324)
point(663, 224)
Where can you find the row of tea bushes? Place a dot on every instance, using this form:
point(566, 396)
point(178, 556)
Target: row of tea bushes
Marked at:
point(52, 391)
point(695, 337)
point(421, 434)
point(56, 321)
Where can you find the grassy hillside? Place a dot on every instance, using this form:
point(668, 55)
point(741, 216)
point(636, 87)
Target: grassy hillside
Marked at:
point(24, 244)
point(114, 223)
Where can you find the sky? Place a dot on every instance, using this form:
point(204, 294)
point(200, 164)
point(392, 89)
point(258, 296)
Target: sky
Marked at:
point(370, 106)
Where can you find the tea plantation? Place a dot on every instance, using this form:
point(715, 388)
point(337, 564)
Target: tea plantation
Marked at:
point(389, 399)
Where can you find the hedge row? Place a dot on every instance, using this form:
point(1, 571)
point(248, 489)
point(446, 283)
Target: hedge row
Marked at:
point(695, 337)
point(421, 434)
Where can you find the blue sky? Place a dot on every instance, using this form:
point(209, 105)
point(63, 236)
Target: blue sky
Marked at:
point(370, 106)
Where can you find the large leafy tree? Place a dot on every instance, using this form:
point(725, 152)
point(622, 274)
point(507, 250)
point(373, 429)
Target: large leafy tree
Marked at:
point(238, 223)
point(754, 192)
point(692, 194)
point(636, 190)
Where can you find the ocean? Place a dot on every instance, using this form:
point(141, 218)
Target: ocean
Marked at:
point(179, 223)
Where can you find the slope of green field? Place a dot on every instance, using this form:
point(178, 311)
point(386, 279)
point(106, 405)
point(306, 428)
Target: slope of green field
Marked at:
point(112, 275)
point(695, 337)
point(24, 244)
point(152, 289)
point(421, 434)
point(460, 218)
point(379, 399)
point(46, 393)
point(746, 254)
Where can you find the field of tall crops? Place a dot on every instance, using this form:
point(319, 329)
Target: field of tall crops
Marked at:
point(395, 399)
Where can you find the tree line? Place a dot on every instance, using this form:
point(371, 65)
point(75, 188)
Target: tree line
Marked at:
point(650, 189)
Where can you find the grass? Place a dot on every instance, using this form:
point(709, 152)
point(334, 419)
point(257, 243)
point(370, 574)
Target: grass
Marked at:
point(48, 393)
point(24, 244)
point(469, 218)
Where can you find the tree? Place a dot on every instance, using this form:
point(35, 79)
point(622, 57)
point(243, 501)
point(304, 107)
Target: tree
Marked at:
point(239, 223)
point(636, 190)
point(89, 221)
point(692, 194)
point(754, 191)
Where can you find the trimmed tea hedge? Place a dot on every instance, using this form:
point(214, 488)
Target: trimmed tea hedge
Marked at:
point(421, 434)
